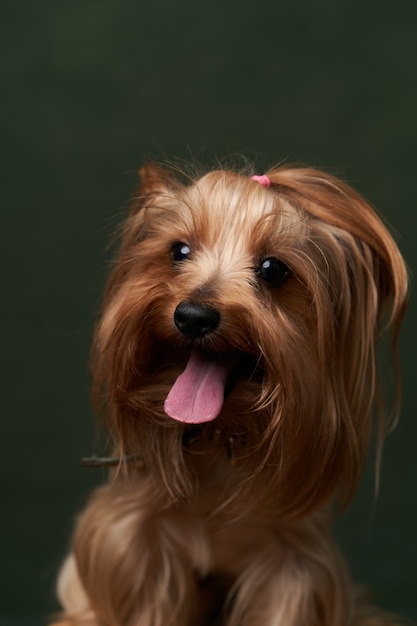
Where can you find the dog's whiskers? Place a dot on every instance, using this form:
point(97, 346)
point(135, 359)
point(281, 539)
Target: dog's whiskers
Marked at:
point(106, 461)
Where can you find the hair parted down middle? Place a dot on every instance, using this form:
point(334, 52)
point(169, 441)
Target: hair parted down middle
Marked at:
point(277, 295)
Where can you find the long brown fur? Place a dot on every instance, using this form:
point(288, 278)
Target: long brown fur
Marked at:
point(228, 522)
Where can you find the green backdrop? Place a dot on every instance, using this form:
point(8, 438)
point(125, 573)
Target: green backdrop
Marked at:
point(89, 89)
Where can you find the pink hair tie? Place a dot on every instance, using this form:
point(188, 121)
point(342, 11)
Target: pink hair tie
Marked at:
point(262, 180)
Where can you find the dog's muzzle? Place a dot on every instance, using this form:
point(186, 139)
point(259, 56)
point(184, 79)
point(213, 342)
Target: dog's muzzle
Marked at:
point(197, 395)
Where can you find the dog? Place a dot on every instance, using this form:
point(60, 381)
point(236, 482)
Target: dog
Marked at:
point(234, 363)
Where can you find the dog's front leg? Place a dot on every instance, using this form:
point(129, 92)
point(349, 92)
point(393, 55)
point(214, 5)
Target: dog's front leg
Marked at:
point(133, 565)
point(286, 582)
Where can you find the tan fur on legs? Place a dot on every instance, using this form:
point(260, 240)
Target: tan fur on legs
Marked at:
point(72, 595)
point(235, 365)
point(140, 562)
point(288, 583)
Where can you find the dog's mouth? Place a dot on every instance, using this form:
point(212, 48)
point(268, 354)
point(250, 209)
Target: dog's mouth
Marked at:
point(198, 394)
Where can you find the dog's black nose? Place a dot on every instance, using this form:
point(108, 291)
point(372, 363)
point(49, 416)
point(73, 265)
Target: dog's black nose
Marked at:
point(196, 320)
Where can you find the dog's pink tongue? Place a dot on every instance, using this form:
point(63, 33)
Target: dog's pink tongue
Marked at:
point(198, 393)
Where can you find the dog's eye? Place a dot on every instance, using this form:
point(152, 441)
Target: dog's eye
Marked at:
point(273, 271)
point(180, 252)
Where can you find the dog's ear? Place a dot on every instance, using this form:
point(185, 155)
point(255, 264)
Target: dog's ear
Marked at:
point(365, 285)
point(333, 202)
point(154, 181)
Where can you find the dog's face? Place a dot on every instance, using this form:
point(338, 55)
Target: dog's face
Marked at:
point(255, 309)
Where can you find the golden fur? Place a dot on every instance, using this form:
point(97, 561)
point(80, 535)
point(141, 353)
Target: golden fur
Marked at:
point(228, 522)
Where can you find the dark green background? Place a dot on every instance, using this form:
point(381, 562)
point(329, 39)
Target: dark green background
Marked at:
point(88, 89)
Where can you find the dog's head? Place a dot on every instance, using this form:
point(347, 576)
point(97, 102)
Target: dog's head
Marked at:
point(256, 309)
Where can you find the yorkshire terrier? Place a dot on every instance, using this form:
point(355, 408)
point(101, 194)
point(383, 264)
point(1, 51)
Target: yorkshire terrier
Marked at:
point(235, 364)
